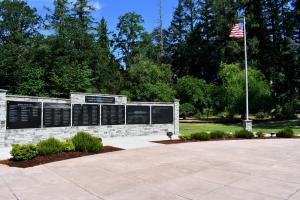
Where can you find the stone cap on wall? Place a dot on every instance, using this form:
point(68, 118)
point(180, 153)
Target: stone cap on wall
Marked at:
point(140, 102)
point(97, 94)
point(35, 97)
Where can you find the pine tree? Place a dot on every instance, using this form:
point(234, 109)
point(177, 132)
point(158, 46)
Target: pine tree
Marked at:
point(106, 74)
point(177, 30)
point(177, 34)
point(191, 13)
point(204, 63)
point(82, 10)
point(296, 20)
point(69, 66)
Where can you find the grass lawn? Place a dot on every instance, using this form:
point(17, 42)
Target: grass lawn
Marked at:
point(267, 127)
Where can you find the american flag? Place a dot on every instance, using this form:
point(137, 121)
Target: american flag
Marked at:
point(237, 31)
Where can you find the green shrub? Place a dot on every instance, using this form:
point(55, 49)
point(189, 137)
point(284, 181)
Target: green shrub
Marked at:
point(186, 110)
point(185, 137)
point(217, 135)
point(260, 134)
point(229, 135)
point(243, 134)
point(50, 146)
point(261, 115)
point(285, 133)
point(200, 136)
point(68, 146)
point(23, 152)
point(85, 142)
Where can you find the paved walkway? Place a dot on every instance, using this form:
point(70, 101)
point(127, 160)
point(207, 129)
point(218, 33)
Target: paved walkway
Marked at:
point(221, 170)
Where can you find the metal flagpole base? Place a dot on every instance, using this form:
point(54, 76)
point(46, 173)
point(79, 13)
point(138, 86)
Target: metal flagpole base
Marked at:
point(247, 125)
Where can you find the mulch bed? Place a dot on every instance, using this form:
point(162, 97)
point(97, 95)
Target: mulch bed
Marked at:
point(178, 141)
point(39, 160)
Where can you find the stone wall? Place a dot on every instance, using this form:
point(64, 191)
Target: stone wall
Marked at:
point(2, 116)
point(34, 135)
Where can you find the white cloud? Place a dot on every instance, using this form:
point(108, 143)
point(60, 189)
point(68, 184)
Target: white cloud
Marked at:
point(96, 5)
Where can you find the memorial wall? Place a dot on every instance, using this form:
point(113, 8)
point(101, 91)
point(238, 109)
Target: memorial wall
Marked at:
point(26, 119)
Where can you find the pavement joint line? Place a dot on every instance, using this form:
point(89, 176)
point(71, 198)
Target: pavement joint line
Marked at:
point(255, 192)
point(291, 195)
point(275, 179)
point(9, 188)
point(76, 184)
point(183, 197)
point(213, 190)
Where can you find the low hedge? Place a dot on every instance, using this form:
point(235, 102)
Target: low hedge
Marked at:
point(260, 134)
point(68, 146)
point(85, 142)
point(285, 133)
point(200, 136)
point(23, 152)
point(50, 146)
point(243, 134)
point(185, 137)
point(217, 135)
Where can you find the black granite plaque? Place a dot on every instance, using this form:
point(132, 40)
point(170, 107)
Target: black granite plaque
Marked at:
point(21, 114)
point(112, 114)
point(85, 115)
point(97, 99)
point(138, 114)
point(162, 114)
point(56, 115)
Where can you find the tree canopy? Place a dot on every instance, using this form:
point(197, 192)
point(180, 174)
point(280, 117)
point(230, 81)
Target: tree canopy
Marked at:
point(200, 65)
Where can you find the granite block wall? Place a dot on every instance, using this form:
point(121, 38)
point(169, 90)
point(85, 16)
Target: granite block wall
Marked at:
point(2, 116)
point(34, 135)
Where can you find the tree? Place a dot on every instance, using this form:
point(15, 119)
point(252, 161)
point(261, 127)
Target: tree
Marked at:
point(194, 91)
point(70, 63)
point(82, 10)
point(150, 82)
point(191, 13)
point(176, 41)
point(129, 34)
point(233, 85)
point(106, 74)
point(202, 55)
point(18, 33)
point(297, 20)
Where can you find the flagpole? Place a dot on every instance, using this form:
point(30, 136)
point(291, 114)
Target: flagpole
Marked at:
point(246, 70)
point(247, 122)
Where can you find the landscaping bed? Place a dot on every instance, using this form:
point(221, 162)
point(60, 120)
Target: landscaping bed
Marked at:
point(178, 141)
point(237, 135)
point(39, 160)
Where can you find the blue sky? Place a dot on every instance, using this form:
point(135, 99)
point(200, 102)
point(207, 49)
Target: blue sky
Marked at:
point(112, 9)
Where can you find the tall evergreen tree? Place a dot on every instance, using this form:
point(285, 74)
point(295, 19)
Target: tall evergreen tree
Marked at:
point(190, 13)
point(82, 10)
point(296, 6)
point(106, 74)
point(177, 34)
point(69, 66)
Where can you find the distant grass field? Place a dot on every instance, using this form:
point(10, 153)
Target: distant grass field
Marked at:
point(267, 127)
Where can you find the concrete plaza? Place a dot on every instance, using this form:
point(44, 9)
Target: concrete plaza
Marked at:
point(221, 170)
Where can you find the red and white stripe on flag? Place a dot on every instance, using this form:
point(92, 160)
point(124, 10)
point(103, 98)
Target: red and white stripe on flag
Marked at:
point(237, 31)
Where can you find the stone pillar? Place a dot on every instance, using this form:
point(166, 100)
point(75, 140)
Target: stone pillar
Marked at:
point(2, 117)
point(176, 117)
point(247, 125)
